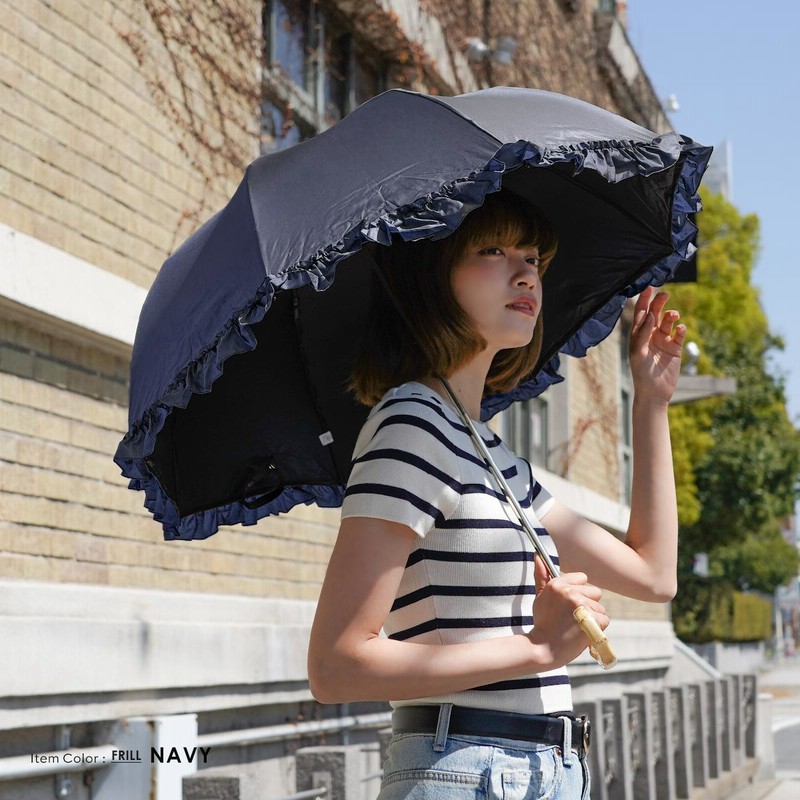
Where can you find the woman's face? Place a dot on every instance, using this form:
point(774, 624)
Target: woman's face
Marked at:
point(500, 289)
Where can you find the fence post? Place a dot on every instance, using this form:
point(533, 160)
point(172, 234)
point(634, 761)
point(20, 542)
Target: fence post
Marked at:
point(597, 762)
point(698, 725)
point(663, 753)
point(681, 741)
point(338, 768)
point(737, 710)
point(616, 744)
point(726, 686)
point(749, 700)
point(713, 729)
point(640, 745)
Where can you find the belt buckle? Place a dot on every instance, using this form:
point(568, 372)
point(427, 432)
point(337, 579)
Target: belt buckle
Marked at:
point(586, 733)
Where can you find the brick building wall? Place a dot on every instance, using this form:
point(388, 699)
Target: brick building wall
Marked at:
point(594, 404)
point(101, 160)
point(127, 123)
point(92, 164)
point(67, 516)
point(113, 154)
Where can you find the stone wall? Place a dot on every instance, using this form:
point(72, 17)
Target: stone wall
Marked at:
point(126, 124)
point(115, 149)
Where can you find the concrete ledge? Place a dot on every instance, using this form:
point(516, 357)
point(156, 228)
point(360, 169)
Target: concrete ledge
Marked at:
point(641, 646)
point(111, 640)
point(57, 285)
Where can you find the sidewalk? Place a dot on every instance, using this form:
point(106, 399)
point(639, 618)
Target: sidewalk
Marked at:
point(783, 682)
point(769, 790)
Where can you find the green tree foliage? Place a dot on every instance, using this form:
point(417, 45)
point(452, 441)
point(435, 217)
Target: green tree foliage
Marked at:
point(737, 458)
point(713, 610)
point(761, 561)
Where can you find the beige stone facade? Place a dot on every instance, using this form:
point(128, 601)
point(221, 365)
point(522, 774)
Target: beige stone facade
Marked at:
point(127, 123)
point(103, 158)
point(113, 153)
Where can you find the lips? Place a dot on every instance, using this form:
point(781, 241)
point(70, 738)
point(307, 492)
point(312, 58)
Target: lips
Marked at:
point(525, 305)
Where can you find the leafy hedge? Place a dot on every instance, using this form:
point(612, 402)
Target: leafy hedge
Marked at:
point(709, 610)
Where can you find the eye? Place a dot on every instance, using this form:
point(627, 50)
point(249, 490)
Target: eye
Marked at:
point(491, 251)
point(541, 267)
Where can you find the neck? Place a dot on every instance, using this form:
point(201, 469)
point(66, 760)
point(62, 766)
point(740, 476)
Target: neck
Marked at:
point(467, 383)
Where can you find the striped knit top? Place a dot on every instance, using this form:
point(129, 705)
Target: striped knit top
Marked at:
point(470, 573)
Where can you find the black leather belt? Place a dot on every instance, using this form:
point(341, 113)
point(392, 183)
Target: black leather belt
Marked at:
point(494, 724)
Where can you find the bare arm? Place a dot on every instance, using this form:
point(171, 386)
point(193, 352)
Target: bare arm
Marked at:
point(349, 661)
point(644, 565)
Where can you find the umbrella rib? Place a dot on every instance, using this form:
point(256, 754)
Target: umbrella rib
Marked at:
point(296, 316)
point(607, 201)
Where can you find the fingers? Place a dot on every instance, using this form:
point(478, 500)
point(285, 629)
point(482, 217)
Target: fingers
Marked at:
point(668, 320)
point(599, 613)
point(643, 302)
point(575, 588)
point(649, 314)
point(657, 305)
point(540, 575)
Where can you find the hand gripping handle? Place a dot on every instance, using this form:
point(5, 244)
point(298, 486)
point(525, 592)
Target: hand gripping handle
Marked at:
point(600, 648)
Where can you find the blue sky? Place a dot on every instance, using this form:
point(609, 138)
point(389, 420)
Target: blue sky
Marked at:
point(735, 68)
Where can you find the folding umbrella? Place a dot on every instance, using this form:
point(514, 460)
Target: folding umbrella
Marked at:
point(238, 405)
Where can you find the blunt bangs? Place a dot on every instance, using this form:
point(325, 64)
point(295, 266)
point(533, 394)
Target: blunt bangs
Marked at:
point(444, 338)
point(506, 221)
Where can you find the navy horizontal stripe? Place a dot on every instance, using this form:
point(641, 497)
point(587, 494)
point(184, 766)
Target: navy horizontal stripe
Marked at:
point(495, 441)
point(483, 523)
point(524, 683)
point(396, 492)
point(479, 488)
point(460, 591)
point(536, 487)
point(432, 430)
point(443, 623)
point(422, 554)
point(441, 437)
point(393, 454)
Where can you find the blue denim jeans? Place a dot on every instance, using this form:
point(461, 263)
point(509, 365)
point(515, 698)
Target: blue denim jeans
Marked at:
point(481, 768)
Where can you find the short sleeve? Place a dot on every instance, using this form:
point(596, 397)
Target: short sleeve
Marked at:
point(405, 467)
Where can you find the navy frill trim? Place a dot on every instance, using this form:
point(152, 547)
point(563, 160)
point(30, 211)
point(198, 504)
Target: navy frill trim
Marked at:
point(433, 216)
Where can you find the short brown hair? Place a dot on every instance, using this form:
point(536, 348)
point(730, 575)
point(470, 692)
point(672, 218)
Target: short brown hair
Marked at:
point(444, 337)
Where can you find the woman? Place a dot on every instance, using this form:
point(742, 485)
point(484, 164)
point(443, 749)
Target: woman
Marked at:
point(428, 552)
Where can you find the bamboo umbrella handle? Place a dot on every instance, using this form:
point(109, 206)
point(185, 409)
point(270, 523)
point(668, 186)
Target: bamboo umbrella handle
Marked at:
point(600, 648)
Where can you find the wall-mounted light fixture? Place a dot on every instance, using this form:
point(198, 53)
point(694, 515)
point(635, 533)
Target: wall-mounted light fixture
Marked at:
point(503, 52)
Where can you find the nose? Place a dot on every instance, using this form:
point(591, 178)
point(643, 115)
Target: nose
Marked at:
point(527, 275)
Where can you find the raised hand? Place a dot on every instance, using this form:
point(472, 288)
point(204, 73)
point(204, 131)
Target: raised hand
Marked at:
point(654, 349)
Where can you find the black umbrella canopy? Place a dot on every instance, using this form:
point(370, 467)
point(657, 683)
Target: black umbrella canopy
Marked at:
point(245, 342)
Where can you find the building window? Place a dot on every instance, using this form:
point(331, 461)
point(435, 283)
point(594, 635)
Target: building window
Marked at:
point(526, 430)
point(625, 415)
point(316, 72)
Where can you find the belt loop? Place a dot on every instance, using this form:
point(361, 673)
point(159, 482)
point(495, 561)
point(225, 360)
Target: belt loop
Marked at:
point(442, 727)
point(566, 742)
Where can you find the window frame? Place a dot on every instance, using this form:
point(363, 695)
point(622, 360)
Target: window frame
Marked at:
point(308, 106)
